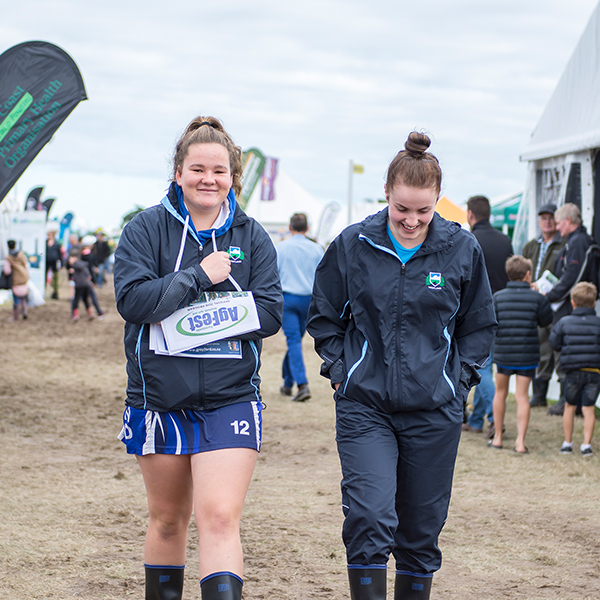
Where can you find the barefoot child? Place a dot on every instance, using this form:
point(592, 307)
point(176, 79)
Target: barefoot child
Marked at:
point(519, 311)
point(577, 338)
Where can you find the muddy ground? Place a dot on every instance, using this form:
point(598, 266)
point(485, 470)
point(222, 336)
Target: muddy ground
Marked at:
point(72, 503)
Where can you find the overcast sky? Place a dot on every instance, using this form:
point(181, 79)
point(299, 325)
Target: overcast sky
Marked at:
point(313, 83)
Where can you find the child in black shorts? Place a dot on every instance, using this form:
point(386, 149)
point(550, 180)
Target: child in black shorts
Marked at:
point(577, 338)
point(519, 311)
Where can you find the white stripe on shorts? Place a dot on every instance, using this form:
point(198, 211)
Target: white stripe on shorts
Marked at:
point(256, 422)
point(151, 418)
point(177, 432)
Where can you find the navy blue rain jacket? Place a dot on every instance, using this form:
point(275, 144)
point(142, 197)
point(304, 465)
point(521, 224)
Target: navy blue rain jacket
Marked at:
point(567, 267)
point(402, 337)
point(147, 290)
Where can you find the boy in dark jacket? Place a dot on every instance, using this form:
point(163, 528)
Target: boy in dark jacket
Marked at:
point(519, 311)
point(577, 338)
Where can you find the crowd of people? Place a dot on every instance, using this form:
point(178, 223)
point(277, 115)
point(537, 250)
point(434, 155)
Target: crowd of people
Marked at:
point(86, 263)
point(408, 312)
point(545, 306)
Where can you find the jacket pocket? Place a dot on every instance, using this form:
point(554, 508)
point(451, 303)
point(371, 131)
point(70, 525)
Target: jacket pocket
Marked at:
point(356, 365)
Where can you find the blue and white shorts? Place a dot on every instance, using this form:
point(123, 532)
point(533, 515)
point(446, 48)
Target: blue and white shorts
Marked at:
point(191, 431)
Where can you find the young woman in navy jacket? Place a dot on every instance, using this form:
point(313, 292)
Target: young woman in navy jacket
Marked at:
point(402, 316)
point(193, 423)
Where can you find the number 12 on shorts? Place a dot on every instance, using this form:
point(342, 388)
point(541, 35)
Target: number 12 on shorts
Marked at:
point(241, 427)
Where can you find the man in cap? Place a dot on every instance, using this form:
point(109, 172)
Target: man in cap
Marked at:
point(542, 251)
point(572, 266)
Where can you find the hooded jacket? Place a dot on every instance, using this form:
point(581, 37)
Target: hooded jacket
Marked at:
point(147, 290)
point(402, 337)
point(18, 266)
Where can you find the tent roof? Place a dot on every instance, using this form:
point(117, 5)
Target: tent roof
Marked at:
point(290, 197)
point(571, 119)
point(450, 211)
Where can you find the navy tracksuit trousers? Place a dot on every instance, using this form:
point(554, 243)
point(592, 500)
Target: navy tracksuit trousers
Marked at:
point(397, 477)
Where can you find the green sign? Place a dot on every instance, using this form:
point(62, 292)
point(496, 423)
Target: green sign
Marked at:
point(254, 165)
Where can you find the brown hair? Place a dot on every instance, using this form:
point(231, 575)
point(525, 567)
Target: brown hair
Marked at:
point(209, 130)
point(480, 207)
point(584, 294)
point(415, 167)
point(517, 267)
point(299, 222)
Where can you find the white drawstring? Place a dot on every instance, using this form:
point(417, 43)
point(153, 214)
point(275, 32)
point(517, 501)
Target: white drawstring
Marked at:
point(233, 281)
point(182, 247)
point(182, 243)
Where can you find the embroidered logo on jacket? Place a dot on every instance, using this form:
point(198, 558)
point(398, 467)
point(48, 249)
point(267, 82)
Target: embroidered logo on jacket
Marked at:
point(235, 254)
point(434, 281)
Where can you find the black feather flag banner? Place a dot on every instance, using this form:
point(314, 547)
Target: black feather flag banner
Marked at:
point(40, 85)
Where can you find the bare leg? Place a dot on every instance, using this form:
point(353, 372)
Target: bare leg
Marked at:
point(589, 422)
point(168, 481)
point(523, 408)
point(221, 480)
point(500, 406)
point(568, 421)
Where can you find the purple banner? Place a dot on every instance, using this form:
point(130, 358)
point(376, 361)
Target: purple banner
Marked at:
point(268, 179)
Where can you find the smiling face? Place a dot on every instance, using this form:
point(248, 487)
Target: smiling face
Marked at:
point(205, 178)
point(410, 212)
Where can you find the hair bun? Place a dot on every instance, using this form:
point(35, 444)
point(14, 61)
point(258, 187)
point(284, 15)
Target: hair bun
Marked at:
point(200, 121)
point(417, 144)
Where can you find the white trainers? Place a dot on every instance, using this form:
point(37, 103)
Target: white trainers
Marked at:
point(566, 448)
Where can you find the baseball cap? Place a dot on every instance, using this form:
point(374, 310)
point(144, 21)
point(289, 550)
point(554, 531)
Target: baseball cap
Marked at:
point(547, 208)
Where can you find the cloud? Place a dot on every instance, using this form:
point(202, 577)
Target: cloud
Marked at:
point(313, 83)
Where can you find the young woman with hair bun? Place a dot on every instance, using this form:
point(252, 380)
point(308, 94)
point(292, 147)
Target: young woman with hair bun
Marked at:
point(194, 423)
point(402, 316)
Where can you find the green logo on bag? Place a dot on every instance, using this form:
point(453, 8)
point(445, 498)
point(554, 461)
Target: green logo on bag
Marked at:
point(434, 281)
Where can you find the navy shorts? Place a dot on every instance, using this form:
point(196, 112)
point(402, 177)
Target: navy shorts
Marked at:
point(191, 431)
point(508, 371)
point(584, 383)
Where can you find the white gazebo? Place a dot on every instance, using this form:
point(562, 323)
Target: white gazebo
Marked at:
point(563, 153)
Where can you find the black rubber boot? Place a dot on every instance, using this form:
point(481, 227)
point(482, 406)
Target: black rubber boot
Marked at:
point(540, 389)
point(221, 586)
point(411, 586)
point(164, 583)
point(367, 584)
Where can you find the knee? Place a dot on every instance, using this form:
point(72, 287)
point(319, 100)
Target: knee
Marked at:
point(170, 525)
point(218, 521)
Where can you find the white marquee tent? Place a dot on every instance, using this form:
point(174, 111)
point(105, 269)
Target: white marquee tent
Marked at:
point(326, 219)
point(563, 152)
